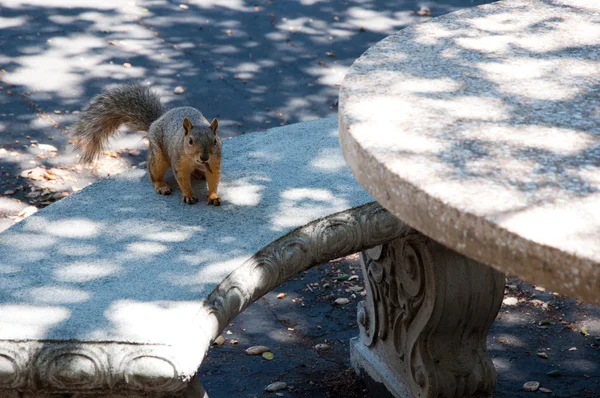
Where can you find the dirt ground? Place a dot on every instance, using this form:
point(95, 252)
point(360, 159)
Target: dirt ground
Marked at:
point(541, 333)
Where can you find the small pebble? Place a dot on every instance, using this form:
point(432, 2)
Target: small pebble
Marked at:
point(219, 340)
point(510, 301)
point(531, 386)
point(276, 386)
point(257, 350)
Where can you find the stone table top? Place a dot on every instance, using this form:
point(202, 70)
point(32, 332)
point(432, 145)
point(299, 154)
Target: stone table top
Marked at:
point(481, 129)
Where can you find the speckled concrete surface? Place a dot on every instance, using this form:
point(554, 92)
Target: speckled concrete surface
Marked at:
point(118, 262)
point(481, 129)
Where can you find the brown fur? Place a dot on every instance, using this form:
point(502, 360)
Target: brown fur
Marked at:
point(181, 138)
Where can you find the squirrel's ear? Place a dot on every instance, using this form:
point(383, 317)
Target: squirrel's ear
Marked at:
point(214, 125)
point(187, 126)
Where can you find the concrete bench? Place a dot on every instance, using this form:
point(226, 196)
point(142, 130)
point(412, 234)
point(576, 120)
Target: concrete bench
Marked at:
point(480, 129)
point(118, 291)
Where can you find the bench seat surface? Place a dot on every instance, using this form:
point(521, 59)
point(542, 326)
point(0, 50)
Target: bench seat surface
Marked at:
point(116, 262)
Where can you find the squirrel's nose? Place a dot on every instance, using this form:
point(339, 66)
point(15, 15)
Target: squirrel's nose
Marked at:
point(204, 158)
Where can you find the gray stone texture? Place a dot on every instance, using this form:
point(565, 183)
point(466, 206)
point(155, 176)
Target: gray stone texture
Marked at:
point(104, 290)
point(481, 129)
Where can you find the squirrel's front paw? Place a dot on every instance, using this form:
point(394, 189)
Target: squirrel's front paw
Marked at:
point(163, 189)
point(215, 201)
point(190, 200)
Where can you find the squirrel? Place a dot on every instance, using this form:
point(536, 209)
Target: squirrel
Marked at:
point(181, 138)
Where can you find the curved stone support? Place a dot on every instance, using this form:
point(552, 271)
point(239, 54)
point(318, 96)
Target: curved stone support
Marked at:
point(332, 237)
point(424, 324)
point(153, 370)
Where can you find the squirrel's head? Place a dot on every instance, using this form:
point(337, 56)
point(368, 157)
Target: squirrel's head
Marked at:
point(201, 141)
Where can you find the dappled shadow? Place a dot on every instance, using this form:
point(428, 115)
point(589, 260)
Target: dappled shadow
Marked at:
point(257, 64)
point(254, 65)
point(492, 115)
point(117, 261)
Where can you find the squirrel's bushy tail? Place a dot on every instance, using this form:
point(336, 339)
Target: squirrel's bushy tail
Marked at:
point(133, 104)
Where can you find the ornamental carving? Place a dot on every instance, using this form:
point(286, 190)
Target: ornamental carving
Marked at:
point(427, 314)
point(323, 240)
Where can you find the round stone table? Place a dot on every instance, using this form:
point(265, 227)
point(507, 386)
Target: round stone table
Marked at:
point(481, 130)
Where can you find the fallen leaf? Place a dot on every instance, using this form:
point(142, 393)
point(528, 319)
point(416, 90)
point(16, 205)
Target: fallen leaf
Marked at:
point(229, 332)
point(112, 42)
point(268, 355)
point(353, 278)
point(256, 350)
point(219, 340)
point(330, 54)
point(546, 390)
point(573, 349)
point(234, 341)
point(38, 174)
point(276, 386)
point(111, 154)
point(26, 212)
point(542, 355)
point(531, 386)
point(281, 295)
point(9, 192)
point(554, 373)
point(60, 195)
point(584, 332)
point(342, 277)
point(342, 301)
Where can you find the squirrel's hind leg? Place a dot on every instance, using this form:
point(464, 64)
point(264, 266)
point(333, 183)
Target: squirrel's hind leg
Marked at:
point(157, 167)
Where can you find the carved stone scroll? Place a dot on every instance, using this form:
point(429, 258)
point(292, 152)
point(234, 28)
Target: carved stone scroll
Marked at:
point(424, 324)
point(332, 237)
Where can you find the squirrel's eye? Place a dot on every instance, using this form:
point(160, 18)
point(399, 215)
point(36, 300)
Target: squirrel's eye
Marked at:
point(191, 141)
